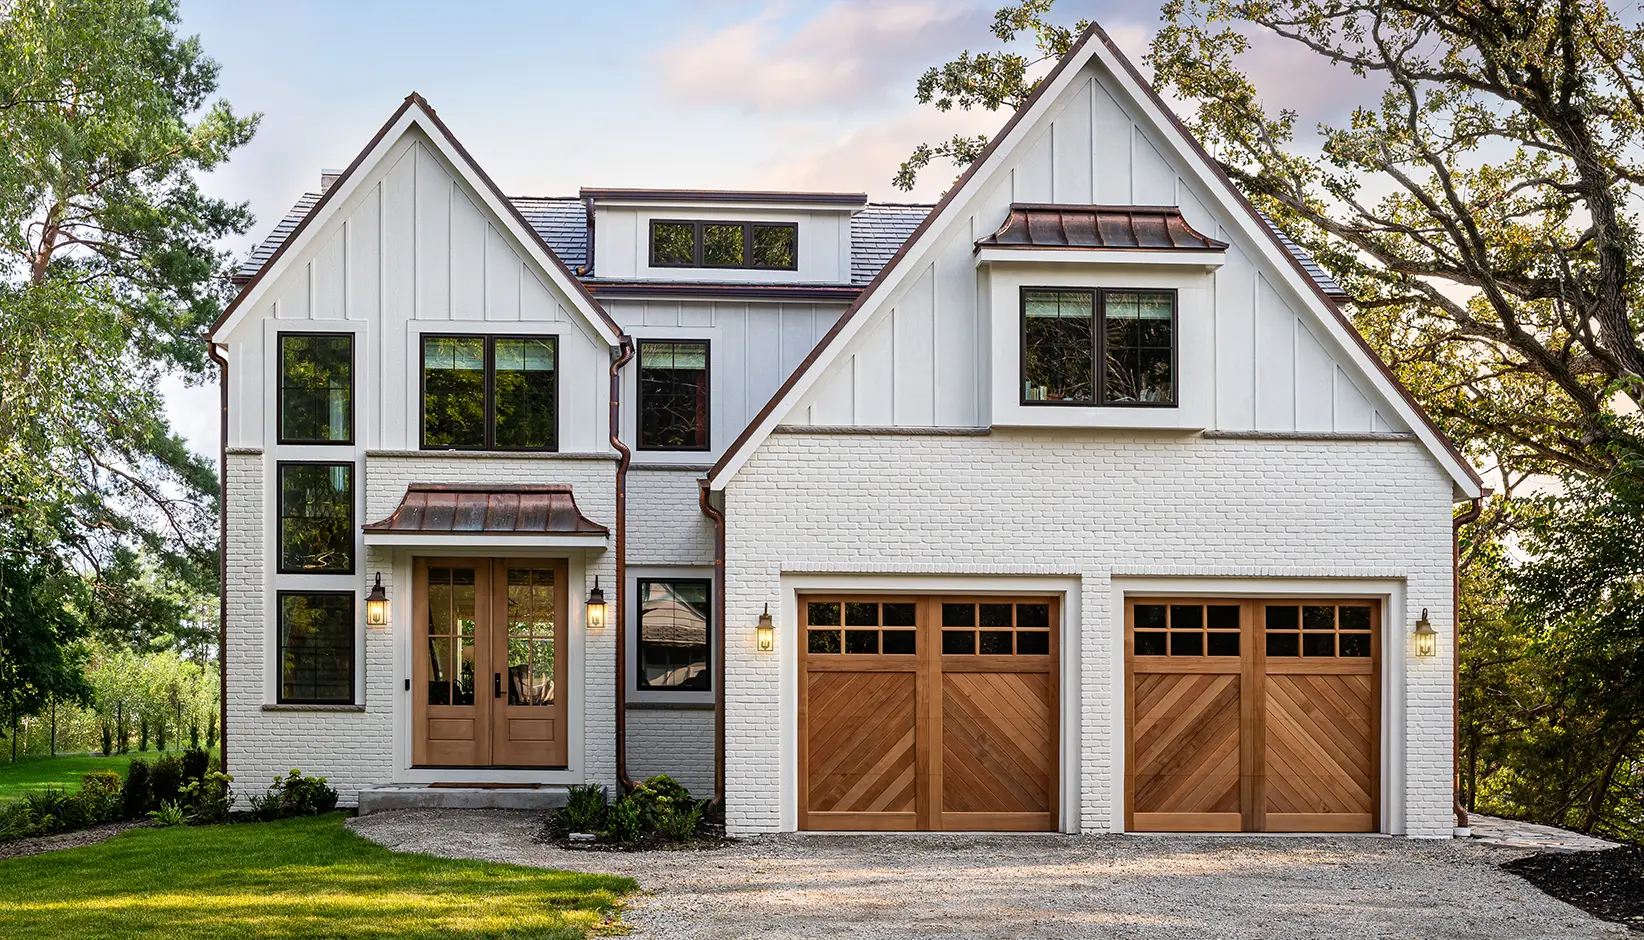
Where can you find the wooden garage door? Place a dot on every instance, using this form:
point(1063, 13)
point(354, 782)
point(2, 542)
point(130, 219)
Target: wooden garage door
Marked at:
point(928, 713)
point(1257, 716)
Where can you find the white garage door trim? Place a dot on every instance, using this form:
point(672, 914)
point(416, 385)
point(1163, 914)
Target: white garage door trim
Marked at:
point(1390, 591)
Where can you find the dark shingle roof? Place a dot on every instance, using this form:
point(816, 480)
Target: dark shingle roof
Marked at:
point(877, 231)
point(1320, 277)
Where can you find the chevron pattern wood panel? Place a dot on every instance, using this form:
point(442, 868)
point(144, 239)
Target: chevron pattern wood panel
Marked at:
point(1186, 740)
point(860, 740)
point(1320, 759)
point(997, 754)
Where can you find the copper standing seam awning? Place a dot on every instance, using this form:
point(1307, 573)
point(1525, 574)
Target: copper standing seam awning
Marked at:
point(437, 513)
point(1114, 228)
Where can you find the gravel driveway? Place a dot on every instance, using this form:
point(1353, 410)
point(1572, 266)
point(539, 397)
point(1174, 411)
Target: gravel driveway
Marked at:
point(1038, 886)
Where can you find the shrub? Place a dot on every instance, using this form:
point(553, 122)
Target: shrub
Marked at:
point(195, 764)
point(622, 821)
point(166, 780)
point(169, 814)
point(659, 798)
point(584, 809)
point(47, 808)
point(209, 796)
point(100, 783)
point(137, 796)
point(682, 822)
point(297, 795)
point(108, 740)
point(265, 807)
point(16, 821)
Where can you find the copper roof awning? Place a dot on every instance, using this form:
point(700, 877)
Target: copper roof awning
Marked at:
point(446, 510)
point(1118, 228)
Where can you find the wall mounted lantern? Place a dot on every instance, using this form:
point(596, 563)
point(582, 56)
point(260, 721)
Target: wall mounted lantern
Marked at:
point(765, 633)
point(376, 605)
point(596, 606)
point(1426, 636)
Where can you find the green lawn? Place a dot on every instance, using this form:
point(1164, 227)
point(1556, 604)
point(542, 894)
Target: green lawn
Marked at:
point(296, 878)
point(37, 773)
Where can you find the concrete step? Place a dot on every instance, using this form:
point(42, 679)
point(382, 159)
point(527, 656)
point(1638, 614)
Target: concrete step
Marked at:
point(420, 796)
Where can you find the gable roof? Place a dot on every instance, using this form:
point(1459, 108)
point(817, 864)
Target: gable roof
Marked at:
point(1281, 257)
point(416, 111)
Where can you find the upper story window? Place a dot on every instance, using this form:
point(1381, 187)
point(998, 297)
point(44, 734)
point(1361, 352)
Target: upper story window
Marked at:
point(1098, 347)
point(771, 246)
point(673, 395)
point(673, 648)
point(490, 393)
point(316, 388)
point(316, 506)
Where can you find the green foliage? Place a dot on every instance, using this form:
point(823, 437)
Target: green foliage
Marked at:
point(658, 808)
point(988, 80)
point(137, 796)
point(657, 799)
point(622, 823)
point(296, 795)
point(681, 822)
point(39, 661)
point(166, 779)
point(584, 809)
point(168, 814)
point(266, 807)
point(209, 797)
point(195, 763)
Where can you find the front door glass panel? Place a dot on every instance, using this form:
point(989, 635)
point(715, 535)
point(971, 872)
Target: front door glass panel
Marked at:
point(451, 621)
point(530, 677)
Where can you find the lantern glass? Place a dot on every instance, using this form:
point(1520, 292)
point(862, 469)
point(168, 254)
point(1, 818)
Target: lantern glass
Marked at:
point(376, 605)
point(765, 633)
point(1426, 637)
point(596, 607)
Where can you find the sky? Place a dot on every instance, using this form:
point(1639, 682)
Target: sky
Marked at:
point(553, 96)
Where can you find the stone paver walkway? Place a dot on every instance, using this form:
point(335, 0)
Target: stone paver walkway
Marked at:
point(1493, 830)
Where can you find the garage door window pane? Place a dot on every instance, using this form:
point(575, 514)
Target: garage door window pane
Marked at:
point(1151, 644)
point(958, 642)
point(1186, 644)
point(996, 643)
point(1318, 618)
point(1318, 644)
point(862, 641)
point(899, 615)
point(1283, 644)
point(995, 615)
point(1355, 644)
point(1355, 618)
point(1282, 618)
point(823, 641)
point(1223, 644)
point(1030, 616)
point(1222, 616)
point(1150, 616)
point(958, 615)
point(1033, 643)
point(898, 642)
point(861, 615)
point(822, 614)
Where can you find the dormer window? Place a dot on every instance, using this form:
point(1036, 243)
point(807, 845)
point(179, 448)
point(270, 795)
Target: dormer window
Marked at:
point(1102, 347)
point(769, 246)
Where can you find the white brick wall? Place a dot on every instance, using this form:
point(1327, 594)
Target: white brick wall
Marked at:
point(1092, 505)
point(665, 522)
point(677, 743)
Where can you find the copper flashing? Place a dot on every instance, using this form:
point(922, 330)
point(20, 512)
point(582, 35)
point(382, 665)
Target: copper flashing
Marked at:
point(724, 195)
point(461, 509)
point(1122, 228)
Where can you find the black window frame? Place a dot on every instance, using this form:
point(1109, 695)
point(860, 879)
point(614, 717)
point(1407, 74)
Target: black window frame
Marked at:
point(353, 645)
point(353, 517)
point(489, 405)
point(697, 242)
point(640, 684)
point(639, 395)
point(1099, 347)
point(279, 385)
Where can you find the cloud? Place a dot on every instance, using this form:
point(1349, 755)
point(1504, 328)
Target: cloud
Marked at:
point(850, 53)
point(864, 158)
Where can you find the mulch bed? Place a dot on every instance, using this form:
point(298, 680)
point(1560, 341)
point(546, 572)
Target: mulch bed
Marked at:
point(39, 845)
point(710, 836)
point(1607, 884)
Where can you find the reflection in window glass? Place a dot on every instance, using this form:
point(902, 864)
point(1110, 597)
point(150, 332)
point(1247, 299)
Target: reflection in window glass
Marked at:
point(1058, 346)
point(673, 635)
point(451, 627)
point(673, 396)
point(673, 244)
point(524, 390)
point(316, 388)
point(317, 517)
point(453, 391)
point(1138, 343)
point(722, 246)
point(530, 636)
point(317, 647)
point(775, 246)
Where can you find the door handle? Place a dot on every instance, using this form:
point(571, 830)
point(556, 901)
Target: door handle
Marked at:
point(496, 677)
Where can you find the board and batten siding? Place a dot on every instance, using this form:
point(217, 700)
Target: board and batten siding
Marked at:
point(924, 360)
point(411, 251)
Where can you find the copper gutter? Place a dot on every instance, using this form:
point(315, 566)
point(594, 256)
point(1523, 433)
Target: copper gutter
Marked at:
point(624, 355)
point(1462, 821)
point(718, 519)
point(222, 560)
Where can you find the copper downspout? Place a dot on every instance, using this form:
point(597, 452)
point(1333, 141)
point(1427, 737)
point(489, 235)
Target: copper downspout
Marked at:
point(222, 560)
point(625, 353)
point(1462, 821)
point(718, 519)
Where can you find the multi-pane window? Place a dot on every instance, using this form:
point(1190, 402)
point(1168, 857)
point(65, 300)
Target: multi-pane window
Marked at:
point(316, 388)
point(1098, 347)
point(862, 627)
point(674, 622)
point(995, 628)
point(317, 647)
point(1186, 629)
point(316, 508)
point(451, 624)
point(1318, 630)
point(482, 393)
point(673, 395)
point(758, 245)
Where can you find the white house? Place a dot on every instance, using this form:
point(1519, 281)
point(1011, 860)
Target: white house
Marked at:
point(1072, 502)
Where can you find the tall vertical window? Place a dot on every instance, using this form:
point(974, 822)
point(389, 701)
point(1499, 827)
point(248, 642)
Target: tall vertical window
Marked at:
point(316, 388)
point(1098, 347)
point(673, 395)
point(317, 647)
point(316, 518)
point(483, 393)
point(674, 626)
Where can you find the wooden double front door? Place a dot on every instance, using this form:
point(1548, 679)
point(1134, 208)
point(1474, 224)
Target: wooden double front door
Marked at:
point(1253, 716)
point(928, 713)
point(488, 671)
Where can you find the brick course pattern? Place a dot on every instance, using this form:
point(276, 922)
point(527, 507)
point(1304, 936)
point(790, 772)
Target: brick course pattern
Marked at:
point(677, 743)
point(1092, 505)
